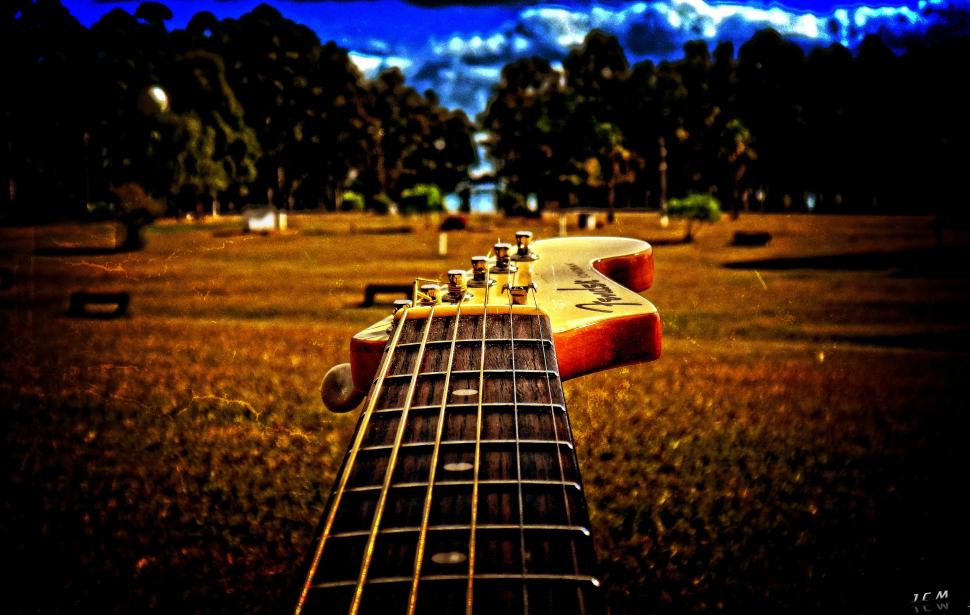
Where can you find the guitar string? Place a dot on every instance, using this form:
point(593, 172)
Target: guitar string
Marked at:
point(555, 432)
point(351, 458)
point(518, 449)
point(389, 473)
point(470, 588)
point(426, 513)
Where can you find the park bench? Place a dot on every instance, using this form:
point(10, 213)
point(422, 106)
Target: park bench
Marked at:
point(372, 290)
point(751, 238)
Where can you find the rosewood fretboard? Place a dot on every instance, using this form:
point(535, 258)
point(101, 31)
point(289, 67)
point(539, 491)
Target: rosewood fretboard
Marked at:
point(461, 492)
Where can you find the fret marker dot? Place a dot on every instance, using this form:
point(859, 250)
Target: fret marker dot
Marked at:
point(449, 557)
point(465, 392)
point(460, 466)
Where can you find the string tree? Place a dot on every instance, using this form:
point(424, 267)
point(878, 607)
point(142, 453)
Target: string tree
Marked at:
point(519, 293)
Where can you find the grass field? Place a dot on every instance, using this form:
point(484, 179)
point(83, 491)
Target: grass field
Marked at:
point(797, 448)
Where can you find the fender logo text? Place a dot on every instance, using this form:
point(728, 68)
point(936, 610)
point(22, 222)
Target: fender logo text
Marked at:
point(605, 298)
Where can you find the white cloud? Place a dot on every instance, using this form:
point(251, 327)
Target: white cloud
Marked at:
point(465, 67)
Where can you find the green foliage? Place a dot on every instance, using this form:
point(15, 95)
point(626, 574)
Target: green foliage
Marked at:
point(422, 198)
point(261, 97)
point(132, 198)
point(352, 201)
point(258, 104)
point(697, 207)
point(215, 147)
point(416, 141)
point(527, 121)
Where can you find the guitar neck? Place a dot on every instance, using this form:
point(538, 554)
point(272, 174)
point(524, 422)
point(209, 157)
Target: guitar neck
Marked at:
point(461, 492)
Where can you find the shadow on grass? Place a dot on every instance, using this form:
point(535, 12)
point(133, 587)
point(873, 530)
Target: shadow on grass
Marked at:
point(951, 341)
point(679, 241)
point(917, 262)
point(381, 230)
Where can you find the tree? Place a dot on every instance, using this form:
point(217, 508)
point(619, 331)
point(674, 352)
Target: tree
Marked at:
point(696, 209)
point(771, 82)
point(734, 154)
point(526, 118)
point(417, 141)
point(154, 14)
point(214, 147)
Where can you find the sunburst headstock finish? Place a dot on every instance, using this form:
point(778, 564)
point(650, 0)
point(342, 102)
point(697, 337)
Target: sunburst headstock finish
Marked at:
point(461, 493)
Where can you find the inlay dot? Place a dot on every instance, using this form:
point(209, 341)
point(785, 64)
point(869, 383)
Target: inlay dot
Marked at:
point(449, 557)
point(465, 392)
point(458, 466)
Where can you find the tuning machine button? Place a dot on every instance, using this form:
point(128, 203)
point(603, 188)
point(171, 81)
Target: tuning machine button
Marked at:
point(523, 252)
point(337, 389)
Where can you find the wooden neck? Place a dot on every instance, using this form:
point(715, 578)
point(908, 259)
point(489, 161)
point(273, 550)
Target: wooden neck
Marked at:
point(461, 492)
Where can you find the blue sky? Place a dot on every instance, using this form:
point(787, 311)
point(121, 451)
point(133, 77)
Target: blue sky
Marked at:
point(459, 50)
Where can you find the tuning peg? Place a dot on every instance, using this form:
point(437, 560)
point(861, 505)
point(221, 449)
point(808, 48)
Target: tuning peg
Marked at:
point(523, 253)
point(429, 294)
point(456, 286)
point(502, 258)
point(480, 277)
point(337, 389)
point(400, 304)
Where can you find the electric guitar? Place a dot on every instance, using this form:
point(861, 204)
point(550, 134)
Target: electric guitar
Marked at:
point(460, 492)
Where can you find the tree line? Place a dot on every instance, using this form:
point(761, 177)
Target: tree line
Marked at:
point(768, 127)
point(253, 110)
point(235, 112)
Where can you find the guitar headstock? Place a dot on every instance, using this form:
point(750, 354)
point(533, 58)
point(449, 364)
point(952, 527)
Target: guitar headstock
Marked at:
point(587, 286)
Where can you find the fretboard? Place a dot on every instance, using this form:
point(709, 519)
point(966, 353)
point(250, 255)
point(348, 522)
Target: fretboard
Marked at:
point(461, 492)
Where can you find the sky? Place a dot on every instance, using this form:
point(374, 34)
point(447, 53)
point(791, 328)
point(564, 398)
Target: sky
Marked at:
point(459, 50)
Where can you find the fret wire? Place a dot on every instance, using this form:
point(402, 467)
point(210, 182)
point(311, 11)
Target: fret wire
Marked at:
point(492, 404)
point(426, 513)
point(562, 474)
point(351, 457)
point(381, 447)
point(475, 371)
point(462, 526)
point(491, 481)
point(470, 588)
point(382, 500)
point(489, 576)
point(518, 449)
point(536, 340)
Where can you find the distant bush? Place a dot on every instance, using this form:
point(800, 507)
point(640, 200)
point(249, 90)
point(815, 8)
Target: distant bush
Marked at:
point(101, 210)
point(132, 197)
point(695, 207)
point(422, 198)
point(352, 201)
point(382, 204)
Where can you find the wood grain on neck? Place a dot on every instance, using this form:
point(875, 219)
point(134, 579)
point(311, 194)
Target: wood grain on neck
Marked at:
point(411, 516)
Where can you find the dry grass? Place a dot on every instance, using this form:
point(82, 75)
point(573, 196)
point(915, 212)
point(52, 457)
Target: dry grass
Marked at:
point(797, 447)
